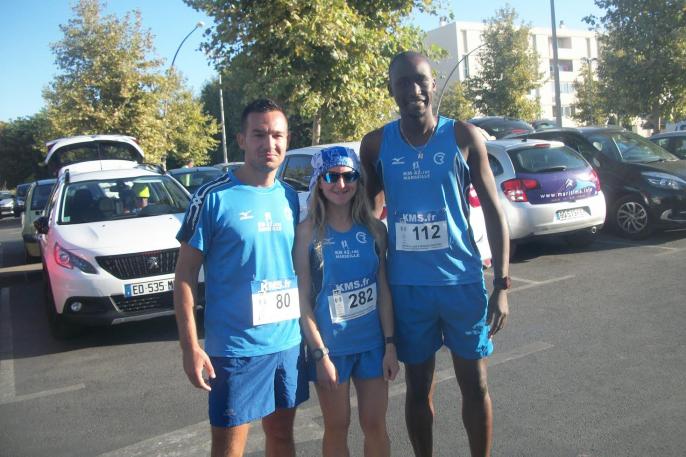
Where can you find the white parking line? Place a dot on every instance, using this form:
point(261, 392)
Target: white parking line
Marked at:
point(531, 283)
point(8, 393)
point(637, 245)
point(194, 440)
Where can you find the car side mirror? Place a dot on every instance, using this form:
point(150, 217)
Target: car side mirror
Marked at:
point(41, 225)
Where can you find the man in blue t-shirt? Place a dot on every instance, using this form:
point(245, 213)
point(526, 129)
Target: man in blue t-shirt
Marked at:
point(421, 168)
point(240, 228)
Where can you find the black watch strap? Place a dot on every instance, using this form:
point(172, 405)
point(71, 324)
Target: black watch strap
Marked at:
point(389, 339)
point(504, 283)
point(319, 353)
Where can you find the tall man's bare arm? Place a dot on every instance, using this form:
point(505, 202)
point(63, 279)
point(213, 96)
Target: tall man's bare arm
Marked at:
point(369, 155)
point(185, 286)
point(473, 146)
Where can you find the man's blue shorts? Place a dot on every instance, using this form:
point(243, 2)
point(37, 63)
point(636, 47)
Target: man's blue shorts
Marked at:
point(362, 365)
point(249, 388)
point(426, 317)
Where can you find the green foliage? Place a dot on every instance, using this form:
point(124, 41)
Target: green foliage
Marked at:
point(590, 106)
point(108, 84)
point(22, 148)
point(325, 61)
point(509, 70)
point(455, 104)
point(643, 57)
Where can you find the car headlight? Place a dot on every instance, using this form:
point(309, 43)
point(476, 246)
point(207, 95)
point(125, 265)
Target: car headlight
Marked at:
point(664, 180)
point(66, 259)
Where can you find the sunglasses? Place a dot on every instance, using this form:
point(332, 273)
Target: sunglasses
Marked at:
point(348, 177)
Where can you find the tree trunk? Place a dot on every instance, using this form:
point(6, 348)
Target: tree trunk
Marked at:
point(317, 128)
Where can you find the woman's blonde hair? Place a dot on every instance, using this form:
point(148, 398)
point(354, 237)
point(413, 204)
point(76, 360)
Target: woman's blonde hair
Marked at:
point(360, 208)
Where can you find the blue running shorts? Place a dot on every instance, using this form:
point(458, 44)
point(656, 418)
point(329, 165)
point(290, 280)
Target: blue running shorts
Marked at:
point(426, 317)
point(250, 388)
point(362, 365)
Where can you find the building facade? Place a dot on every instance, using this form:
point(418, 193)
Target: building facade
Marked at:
point(575, 47)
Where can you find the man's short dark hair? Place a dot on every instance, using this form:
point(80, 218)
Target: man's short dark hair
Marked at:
point(405, 55)
point(261, 105)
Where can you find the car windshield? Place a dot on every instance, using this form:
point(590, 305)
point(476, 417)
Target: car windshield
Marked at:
point(546, 159)
point(106, 200)
point(4, 195)
point(631, 147)
point(40, 196)
point(193, 179)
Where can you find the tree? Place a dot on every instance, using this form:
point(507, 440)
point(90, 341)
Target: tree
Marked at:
point(107, 83)
point(326, 61)
point(509, 70)
point(455, 104)
point(589, 108)
point(22, 149)
point(643, 57)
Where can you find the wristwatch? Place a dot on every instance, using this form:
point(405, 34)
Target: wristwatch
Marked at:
point(319, 353)
point(504, 283)
point(389, 339)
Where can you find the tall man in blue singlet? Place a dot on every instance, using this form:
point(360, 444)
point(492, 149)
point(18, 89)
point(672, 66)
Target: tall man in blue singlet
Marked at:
point(241, 228)
point(421, 168)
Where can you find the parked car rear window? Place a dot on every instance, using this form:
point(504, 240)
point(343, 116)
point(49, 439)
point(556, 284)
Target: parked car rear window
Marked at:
point(546, 159)
point(100, 150)
point(105, 200)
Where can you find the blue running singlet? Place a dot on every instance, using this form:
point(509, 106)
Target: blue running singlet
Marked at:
point(345, 291)
point(429, 238)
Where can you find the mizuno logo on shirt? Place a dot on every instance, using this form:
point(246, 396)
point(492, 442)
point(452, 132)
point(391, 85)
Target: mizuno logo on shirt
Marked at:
point(245, 215)
point(397, 160)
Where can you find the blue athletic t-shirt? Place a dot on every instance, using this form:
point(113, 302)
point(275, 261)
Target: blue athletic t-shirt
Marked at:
point(346, 291)
point(246, 236)
point(429, 238)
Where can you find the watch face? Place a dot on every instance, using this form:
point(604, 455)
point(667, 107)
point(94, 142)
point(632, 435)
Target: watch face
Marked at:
point(504, 283)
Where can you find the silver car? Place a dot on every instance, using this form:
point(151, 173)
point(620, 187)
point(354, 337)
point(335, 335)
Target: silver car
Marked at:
point(546, 188)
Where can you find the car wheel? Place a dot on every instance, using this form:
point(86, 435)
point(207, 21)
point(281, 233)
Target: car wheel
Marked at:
point(59, 328)
point(581, 239)
point(631, 218)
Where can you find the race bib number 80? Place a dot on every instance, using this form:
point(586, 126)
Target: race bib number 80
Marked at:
point(274, 301)
point(349, 304)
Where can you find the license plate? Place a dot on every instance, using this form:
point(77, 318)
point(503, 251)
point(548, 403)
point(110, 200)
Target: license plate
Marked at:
point(149, 287)
point(572, 213)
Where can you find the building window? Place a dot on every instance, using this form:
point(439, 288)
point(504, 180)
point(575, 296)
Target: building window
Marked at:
point(562, 42)
point(465, 67)
point(566, 88)
point(567, 111)
point(563, 65)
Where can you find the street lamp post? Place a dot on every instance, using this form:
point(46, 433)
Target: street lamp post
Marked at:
point(221, 109)
point(171, 66)
point(197, 26)
point(556, 68)
point(588, 62)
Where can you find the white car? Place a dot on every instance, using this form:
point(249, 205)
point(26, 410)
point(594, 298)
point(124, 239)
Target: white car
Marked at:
point(108, 239)
point(296, 171)
point(546, 188)
point(36, 199)
point(6, 203)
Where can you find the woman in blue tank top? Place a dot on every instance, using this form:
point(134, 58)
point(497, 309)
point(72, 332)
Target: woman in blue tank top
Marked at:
point(345, 301)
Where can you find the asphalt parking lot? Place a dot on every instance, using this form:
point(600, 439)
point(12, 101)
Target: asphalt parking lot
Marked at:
point(591, 364)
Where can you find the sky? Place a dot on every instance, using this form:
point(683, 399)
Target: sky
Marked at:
point(29, 27)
